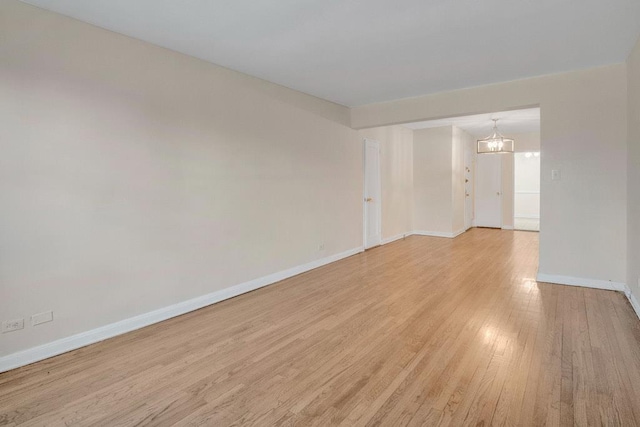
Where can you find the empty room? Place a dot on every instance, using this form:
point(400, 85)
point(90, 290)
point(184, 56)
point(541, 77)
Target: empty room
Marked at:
point(319, 213)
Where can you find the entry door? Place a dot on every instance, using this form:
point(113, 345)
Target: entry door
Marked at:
point(372, 206)
point(468, 189)
point(489, 190)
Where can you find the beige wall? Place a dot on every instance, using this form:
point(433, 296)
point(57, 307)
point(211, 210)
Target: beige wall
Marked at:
point(432, 182)
point(438, 169)
point(525, 142)
point(133, 177)
point(633, 177)
point(583, 133)
point(396, 170)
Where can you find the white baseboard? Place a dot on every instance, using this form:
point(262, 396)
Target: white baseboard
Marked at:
point(459, 232)
point(579, 281)
point(396, 237)
point(592, 283)
point(449, 235)
point(633, 300)
point(507, 227)
point(433, 233)
point(82, 339)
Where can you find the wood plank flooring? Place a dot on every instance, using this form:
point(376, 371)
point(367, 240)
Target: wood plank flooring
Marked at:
point(422, 331)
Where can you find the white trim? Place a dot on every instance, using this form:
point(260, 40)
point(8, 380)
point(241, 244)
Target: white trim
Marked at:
point(459, 232)
point(82, 339)
point(592, 283)
point(364, 194)
point(396, 237)
point(527, 217)
point(634, 302)
point(579, 281)
point(525, 192)
point(449, 235)
point(507, 227)
point(433, 233)
point(513, 199)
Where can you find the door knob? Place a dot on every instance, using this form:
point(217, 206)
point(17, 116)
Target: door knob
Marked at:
point(466, 180)
point(497, 193)
point(368, 199)
point(466, 194)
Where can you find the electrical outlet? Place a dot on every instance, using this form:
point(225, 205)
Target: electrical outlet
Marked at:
point(556, 175)
point(12, 325)
point(40, 318)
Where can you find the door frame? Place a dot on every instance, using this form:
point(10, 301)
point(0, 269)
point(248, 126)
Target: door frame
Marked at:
point(472, 172)
point(365, 208)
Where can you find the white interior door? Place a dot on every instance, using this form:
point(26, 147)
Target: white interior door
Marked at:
point(488, 195)
point(468, 189)
point(372, 206)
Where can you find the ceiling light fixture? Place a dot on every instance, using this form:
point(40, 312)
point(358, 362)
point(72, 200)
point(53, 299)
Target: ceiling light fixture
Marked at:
point(496, 143)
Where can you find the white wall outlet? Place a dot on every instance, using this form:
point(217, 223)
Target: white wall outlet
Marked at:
point(12, 325)
point(556, 175)
point(39, 318)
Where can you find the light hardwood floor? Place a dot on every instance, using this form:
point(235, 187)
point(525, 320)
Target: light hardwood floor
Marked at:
point(422, 331)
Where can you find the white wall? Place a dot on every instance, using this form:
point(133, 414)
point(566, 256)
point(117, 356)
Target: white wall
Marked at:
point(523, 142)
point(507, 189)
point(133, 177)
point(526, 186)
point(396, 169)
point(633, 168)
point(583, 133)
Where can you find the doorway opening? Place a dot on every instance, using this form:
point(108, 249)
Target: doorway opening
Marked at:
point(456, 187)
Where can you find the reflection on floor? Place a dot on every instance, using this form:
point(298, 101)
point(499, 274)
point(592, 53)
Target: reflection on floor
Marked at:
point(527, 224)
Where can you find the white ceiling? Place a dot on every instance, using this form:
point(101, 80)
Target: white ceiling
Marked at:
point(480, 125)
point(358, 52)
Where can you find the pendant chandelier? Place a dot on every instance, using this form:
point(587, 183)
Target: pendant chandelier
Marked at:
point(496, 143)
